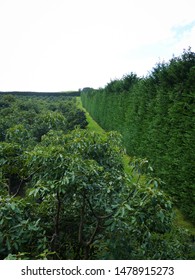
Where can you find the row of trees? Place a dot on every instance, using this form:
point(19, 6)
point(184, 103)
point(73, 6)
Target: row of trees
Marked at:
point(42, 94)
point(25, 121)
point(156, 117)
point(64, 193)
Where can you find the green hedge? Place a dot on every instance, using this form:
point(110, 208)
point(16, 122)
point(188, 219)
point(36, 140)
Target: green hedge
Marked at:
point(156, 116)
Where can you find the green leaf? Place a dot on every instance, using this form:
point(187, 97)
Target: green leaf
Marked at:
point(128, 207)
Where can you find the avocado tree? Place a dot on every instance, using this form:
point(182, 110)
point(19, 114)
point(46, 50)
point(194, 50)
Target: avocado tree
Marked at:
point(97, 210)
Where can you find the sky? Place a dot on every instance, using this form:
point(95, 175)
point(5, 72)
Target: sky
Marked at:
point(62, 45)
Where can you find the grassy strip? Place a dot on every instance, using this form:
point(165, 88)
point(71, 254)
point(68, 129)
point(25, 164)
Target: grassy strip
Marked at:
point(92, 125)
point(182, 222)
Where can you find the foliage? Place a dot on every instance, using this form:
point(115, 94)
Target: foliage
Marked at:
point(24, 121)
point(64, 193)
point(80, 204)
point(155, 116)
point(39, 115)
point(19, 231)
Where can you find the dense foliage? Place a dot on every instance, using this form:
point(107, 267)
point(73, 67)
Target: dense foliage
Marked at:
point(64, 193)
point(156, 117)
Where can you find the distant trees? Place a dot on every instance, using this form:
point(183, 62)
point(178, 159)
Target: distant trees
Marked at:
point(42, 94)
point(39, 115)
point(155, 116)
point(86, 89)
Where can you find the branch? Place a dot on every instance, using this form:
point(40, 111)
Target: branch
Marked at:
point(58, 214)
point(93, 235)
point(21, 182)
point(81, 222)
point(55, 236)
point(25, 180)
point(96, 216)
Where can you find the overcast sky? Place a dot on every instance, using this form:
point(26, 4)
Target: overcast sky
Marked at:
point(59, 45)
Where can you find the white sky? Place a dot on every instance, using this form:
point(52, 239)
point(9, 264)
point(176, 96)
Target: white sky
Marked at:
point(59, 45)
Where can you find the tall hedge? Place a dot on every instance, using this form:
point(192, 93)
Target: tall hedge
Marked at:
point(156, 116)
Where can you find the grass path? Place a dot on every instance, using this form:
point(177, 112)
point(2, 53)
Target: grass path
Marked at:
point(94, 126)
